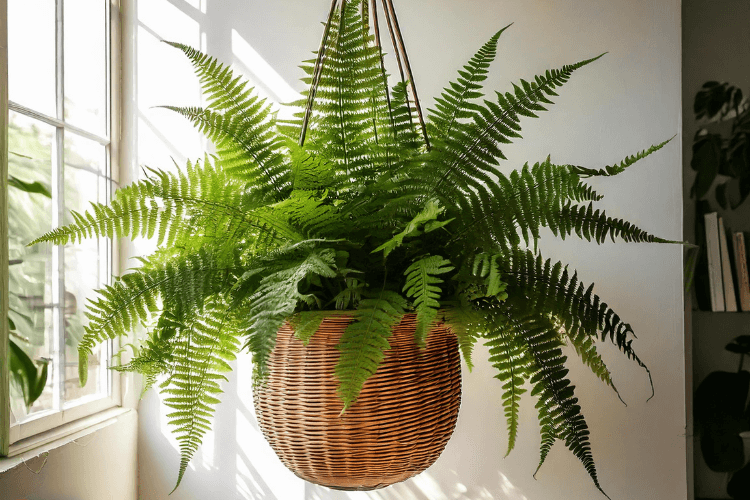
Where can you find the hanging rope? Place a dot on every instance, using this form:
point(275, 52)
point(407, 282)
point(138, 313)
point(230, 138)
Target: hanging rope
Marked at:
point(316, 73)
point(399, 49)
point(378, 44)
point(402, 48)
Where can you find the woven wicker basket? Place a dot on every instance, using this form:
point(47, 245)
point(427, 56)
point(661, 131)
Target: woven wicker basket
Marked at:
point(398, 427)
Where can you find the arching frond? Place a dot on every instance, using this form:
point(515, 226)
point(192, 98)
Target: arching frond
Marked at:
point(615, 169)
point(364, 341)
point(202, 353)
point(423, 288)
point(165, 206)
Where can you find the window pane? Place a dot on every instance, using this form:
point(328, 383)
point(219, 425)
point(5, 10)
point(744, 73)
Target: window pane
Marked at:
point(30, 145)
point(31, 54)
point(86, 64)
point(86, 268)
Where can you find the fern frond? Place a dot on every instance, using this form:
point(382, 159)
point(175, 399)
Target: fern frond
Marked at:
point(611, 170)
point(595, 225)
point(423, 222)
point(184, 281)
point(468, 323)
point(247, 145)
point(508, 357)
point(559, 412)
point(164, 205)
point(523, 202)
point(310, 171)
point(404, 121)
point(488, 267)
point(422, 286)
point(586, 349)
point(202, 354)
point(240, 124)
point(277, 296)
point(364, 341)
point(454, 104)
point(351, 114)
point(541, 287)
point(306, 323)
point(223, 90)
point(469, 156)
point(155, 356)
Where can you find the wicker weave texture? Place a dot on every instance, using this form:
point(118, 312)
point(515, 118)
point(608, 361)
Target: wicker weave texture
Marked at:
point(398, 427)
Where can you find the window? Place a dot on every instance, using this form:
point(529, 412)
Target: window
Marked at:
point(59, 137)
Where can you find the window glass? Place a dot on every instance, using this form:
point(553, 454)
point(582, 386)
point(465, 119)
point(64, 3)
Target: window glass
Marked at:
point(85, 64)
point(59, 161)
point(86, 262)
point(30, 159)
point(31, 54)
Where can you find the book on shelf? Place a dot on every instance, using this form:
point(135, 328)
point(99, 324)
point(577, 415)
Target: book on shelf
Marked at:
point(730, 299)
point(713, 252)
point(741, 270)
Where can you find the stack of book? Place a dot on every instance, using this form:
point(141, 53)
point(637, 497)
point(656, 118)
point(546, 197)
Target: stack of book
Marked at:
point(728, 276)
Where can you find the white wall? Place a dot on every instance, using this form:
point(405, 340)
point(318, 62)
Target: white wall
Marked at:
point(99, 466)
point(623, 103)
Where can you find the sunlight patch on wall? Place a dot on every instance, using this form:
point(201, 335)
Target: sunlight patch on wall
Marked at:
point(197, 4)
point(509, 490)
point(266, 80)
point(260, 474)
point(429, 486)
point(168, 20)
point(163, 135)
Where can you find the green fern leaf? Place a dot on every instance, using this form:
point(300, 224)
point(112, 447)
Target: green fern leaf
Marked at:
point(422, 286)
point(615, 169)
point(364, 341)
point(454, 103)
point(469, 157)
point(468, 323)
point(164, 205)
point(424, 221)
point(202, 354)
point(595, 225)
point(306, 323)
point(277, 296)
point(509, 358)
point(183, 281)
point(540, 287)
point(558, 407)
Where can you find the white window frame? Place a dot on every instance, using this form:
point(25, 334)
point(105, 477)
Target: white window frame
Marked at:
point(16, 439)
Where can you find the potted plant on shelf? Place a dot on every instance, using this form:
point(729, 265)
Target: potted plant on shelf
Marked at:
point(721, 160)
point(382, 241)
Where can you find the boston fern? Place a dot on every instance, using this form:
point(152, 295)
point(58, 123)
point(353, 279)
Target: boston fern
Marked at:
point(370, 216)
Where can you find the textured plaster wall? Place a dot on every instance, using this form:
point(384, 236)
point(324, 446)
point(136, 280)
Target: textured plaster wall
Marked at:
point(623, 103)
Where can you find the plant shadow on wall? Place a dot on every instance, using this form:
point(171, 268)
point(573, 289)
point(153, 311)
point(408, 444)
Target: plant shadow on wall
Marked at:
point(379, 222)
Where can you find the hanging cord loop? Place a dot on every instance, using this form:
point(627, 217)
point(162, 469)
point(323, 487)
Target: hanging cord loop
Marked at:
point(316, 73)
point(399, 48)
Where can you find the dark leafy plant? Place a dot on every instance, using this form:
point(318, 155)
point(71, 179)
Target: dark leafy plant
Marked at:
point(369, 217)
point(29, 377)
point(721, 150)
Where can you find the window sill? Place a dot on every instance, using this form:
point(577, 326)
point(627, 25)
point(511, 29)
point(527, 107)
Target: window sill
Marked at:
point(34, 446)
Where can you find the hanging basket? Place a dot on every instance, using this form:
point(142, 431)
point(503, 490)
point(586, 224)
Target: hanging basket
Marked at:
point(398, 427)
